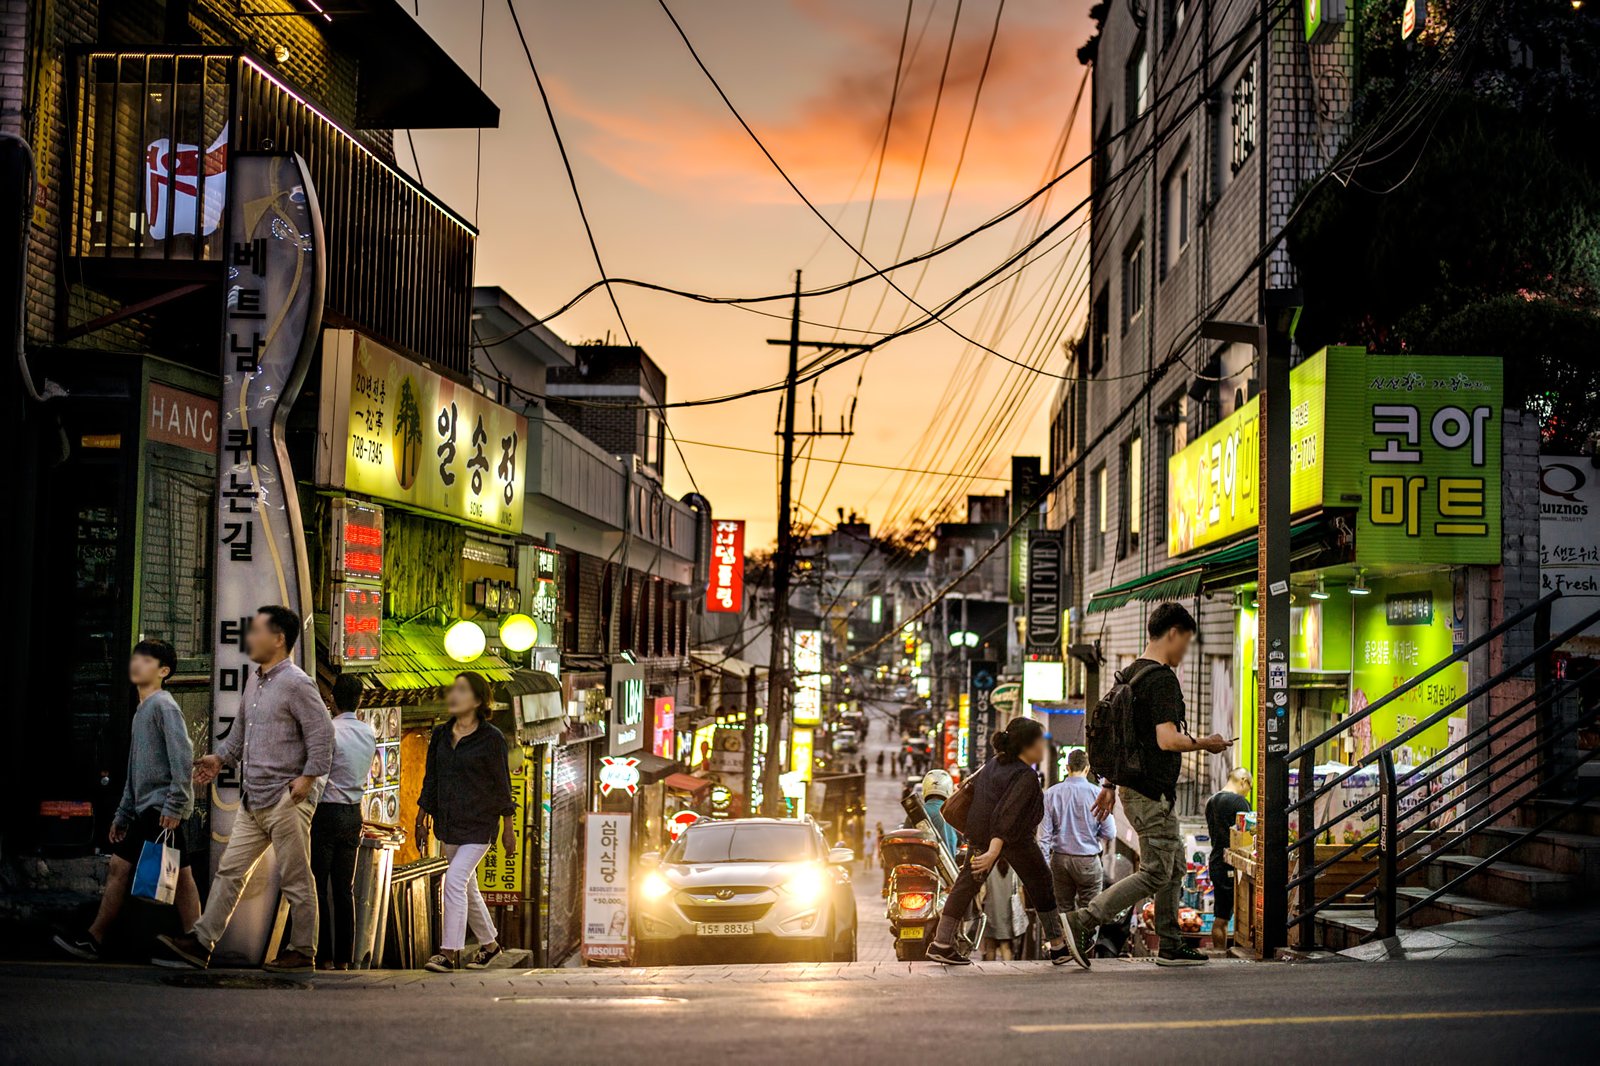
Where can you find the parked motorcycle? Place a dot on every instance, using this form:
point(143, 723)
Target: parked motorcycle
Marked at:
point(921, 873)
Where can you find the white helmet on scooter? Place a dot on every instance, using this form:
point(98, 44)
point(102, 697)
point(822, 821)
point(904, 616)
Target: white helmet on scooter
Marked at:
point(936, 783)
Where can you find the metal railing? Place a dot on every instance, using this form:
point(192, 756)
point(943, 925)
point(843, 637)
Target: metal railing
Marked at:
point(1404, 832)
point(152, 135)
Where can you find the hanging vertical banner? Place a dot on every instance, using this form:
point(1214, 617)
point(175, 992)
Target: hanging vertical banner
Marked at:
point(1047, 555)
point(605, 885)
point(1025, 481)
point(984, 675)
point(274, 256)
point(502, 874)
point(725, 584)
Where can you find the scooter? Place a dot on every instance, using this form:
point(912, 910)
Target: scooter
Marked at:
point(921, 873)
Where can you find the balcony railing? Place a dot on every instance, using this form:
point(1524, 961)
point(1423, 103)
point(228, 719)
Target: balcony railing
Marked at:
point(153, 131)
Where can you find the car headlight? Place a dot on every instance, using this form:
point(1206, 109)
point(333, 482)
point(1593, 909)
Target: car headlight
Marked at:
point(808, 886)
point(654, 886)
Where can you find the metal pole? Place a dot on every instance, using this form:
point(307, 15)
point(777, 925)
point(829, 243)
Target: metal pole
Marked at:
point(1308, 856)
point(1272, 643)
point(778, 677)
point(1388, 844)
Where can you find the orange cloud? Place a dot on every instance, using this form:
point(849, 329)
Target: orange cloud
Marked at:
point(672, 146)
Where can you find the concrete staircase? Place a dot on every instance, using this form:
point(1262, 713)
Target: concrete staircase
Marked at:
point(1559, 868)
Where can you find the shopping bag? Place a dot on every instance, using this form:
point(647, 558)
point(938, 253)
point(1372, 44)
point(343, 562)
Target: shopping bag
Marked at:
point(156, 876)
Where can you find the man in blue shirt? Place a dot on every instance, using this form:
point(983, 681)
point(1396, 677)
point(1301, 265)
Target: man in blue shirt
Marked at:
point(1071, 835)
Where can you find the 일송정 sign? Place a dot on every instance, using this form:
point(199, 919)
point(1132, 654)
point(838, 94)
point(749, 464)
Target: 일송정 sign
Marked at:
point(398, 431)
point(605, 885)
point(274, 307)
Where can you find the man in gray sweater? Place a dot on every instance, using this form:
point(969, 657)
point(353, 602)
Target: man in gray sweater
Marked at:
point(282, 743)
point(155, 800)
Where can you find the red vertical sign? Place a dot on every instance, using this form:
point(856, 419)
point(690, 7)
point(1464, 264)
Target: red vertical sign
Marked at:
point(725, 590)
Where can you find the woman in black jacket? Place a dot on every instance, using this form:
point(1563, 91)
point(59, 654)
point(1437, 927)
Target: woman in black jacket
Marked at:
point(1007, 807)
point(466, 790)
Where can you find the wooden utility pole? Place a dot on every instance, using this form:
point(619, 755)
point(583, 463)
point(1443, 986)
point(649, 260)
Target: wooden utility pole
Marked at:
point(780, 679)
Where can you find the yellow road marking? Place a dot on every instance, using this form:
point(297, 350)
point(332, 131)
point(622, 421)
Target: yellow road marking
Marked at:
point(1304, 1019)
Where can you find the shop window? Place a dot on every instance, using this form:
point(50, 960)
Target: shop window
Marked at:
point(1242, 119)
point(1097, 517)
point(1174, 13)
point(179, 523)
point(1175, 201)
point(1133, 280)
point(1136, 83)
point(1100, 344)
point(1132, 503)
point(1172, 435)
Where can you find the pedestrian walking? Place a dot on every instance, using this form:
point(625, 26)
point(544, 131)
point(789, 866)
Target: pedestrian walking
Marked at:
point(1007, 807)
point(466, 791)
point(282, 742)
point(882, 861)
point(880, 761)
point(156, 798)
point(336, 827)
point(1149, 791)
point(1073, 834)
point(1221, 812)
point(1005, 920)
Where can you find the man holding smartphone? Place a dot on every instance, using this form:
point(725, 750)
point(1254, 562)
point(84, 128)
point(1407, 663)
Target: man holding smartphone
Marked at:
point(1148, 799)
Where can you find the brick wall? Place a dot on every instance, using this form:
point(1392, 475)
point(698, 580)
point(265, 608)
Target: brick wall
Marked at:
point(326, 77)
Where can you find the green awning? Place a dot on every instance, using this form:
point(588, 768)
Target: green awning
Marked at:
point(1206, 569)
point(414, 658)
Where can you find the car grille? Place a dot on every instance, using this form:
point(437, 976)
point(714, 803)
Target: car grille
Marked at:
point(725, 912)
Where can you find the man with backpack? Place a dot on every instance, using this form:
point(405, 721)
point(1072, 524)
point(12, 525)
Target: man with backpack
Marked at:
point(1136, 738)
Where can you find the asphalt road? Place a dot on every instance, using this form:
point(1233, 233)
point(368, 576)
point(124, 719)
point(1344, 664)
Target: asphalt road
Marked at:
point(1126, 1012)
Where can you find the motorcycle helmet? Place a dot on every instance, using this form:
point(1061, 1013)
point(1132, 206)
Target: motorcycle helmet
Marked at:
point(936, 783)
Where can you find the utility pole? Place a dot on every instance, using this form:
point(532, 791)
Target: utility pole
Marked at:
point(780, 680)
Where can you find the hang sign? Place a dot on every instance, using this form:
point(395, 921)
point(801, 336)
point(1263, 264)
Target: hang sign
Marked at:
point(618, 774)
point(725, 581)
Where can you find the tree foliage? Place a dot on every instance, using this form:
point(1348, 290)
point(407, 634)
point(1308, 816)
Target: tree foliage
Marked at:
point(1474, 225)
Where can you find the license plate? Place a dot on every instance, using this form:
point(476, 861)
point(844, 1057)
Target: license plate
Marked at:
point(725, 928)
point(911, 932)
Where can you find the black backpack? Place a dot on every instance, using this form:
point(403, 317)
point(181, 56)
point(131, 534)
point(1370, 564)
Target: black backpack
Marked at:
point(1115, 754)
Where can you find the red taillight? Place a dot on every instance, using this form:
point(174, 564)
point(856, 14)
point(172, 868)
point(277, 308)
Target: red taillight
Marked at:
point(914, 901)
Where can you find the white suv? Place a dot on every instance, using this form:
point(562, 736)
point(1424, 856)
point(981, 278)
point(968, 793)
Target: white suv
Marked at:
point(746, 889)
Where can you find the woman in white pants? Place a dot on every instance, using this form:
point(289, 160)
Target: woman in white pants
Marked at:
point(466, 791)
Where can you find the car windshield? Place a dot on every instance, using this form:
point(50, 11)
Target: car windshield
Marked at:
point(743, 843)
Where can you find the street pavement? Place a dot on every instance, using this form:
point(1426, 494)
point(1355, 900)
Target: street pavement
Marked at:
point(873, 942)
point(1326, 1012)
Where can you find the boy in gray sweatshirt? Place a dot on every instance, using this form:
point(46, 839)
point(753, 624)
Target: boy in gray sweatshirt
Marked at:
point(158, 796)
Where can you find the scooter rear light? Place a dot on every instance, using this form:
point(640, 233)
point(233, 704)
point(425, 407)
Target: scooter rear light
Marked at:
point(914, 901)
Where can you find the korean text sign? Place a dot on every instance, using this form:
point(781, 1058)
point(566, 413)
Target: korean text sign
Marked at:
point(398, 431)
point(1417, 451)
point(725, 589)
point(274, 254)
point(1211, 484)
point(807, 662)
point(501, 874)
point(606, 872)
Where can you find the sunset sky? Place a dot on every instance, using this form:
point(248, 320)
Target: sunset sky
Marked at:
point(679, 195)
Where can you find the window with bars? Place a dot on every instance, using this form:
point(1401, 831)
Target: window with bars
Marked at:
point(1243, 119)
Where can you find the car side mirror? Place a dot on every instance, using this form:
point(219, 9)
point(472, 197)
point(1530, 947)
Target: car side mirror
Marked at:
point(841, 856)
point(650, 858)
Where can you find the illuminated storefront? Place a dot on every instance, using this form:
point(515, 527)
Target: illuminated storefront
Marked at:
point(1396, 489)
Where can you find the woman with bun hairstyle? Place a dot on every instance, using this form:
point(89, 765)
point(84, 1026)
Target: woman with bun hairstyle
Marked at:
point(1007, 807)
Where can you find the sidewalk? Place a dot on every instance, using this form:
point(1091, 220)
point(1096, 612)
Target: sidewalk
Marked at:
point(1520, 933)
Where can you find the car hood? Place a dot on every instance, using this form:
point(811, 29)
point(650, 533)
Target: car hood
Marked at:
point(715, 874)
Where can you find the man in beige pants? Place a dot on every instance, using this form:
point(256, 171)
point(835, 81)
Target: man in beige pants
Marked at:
point(282, 743)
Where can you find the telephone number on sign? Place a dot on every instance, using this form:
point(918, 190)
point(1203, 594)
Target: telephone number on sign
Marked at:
point(369, 450)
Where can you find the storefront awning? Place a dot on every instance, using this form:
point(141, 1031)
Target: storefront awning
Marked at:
point(686, 783)
point(653, 768)
point(1217, 568)
point(715, 660)
point(414, 659)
